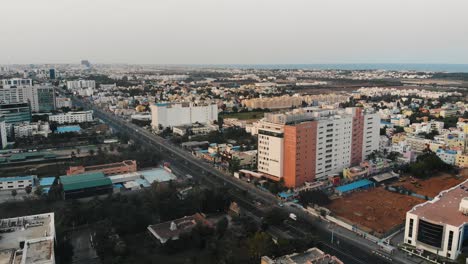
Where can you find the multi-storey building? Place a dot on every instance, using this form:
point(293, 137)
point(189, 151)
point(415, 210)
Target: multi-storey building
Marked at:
point(3, 133)
point(19, 182)
point(45, 99)
point(309, 144)
point(72, 85)
point(40, 98)
point(31, 129)
point(15, 112)
point(28, 239)
point(177, 114)
point(72, 117)
point(418, 144)
point(16, 82)
point(63, 102)
point(440, 225)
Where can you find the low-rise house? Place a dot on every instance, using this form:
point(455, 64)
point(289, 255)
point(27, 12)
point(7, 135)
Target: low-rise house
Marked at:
point(311, 256)
point(19, 182)
point(172, 230)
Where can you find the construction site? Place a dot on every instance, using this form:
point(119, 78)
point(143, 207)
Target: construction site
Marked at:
point(432, 186)
point(375, 211)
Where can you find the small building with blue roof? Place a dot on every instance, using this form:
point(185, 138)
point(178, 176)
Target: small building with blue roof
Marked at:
point(68, 129)
point(357, 185)
point(45, 183)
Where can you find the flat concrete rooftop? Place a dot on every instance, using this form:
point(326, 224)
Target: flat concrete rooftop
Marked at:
point(37, 232)
point(444, 209)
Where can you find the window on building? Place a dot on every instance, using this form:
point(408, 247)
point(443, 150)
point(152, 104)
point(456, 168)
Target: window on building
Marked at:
point(410, 231)
point(450, 240)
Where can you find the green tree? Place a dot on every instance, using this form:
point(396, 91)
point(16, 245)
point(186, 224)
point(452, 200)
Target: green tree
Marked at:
point(393, 156)
point(39, 191)
point(234, 165)
point(28, 189)
point(313, 197)
point(275, 216)
point(222, 226)
point(260, 244)
point(14, 193)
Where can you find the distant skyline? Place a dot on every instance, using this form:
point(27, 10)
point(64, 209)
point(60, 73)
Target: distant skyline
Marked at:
point(234, 32)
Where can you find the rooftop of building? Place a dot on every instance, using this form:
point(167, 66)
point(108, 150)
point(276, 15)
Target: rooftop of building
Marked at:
point(174, 228)
point(444, 208)
point(84, 180)
point(75, 113)
point(183, 104)
point(17, 178)
point(311, 256)
point(36, 231)
point(158, 175)
point(46, 181)
point(66, 129)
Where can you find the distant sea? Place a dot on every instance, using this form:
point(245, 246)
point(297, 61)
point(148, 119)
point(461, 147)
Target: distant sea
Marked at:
point(384, 66)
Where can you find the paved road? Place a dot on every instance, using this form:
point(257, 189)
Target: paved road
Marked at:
point(360, 249)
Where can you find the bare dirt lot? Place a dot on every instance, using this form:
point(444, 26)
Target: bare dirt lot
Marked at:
point(375, 209)
point(432, 186)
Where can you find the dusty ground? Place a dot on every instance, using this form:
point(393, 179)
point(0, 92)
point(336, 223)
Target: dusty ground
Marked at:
point(432, 186)
point(374, 209)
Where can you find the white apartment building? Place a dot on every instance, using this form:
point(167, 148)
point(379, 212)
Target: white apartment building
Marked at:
point(31, 129)
point(371, 133)
point(40, 98)
point(271, 149)
point(3, 133)
point(448, 156)
point(63, 102)
point(178, 114)
point(428, 127)
point(12, 183)
point(73, 85)
point(16, 82)
point(72, 117)
point(334, 138)
point(417, 144)
point(194, 130)
point(440, 225)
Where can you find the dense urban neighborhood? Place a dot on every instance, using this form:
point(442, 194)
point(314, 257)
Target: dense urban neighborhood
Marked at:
point(126, 163)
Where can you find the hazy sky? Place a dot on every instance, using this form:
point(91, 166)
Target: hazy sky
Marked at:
point(234, 31)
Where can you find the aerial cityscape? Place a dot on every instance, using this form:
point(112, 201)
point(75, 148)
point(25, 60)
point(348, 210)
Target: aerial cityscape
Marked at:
point(126, 138)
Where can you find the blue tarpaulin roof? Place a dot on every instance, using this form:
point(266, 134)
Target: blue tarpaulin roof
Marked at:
point(47, 181)
point(65, 129)
point(355, 185)
point(285, 195)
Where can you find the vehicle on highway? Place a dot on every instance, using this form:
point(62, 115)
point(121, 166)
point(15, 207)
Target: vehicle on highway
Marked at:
point(293, 216)
point(386, 248)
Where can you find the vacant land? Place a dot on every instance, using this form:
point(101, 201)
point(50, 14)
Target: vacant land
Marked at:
point(375, 209)
point(244, 115)
point(432, 186)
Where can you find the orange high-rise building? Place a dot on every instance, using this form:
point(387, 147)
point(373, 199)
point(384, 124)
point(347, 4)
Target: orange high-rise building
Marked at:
point(299, 153)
